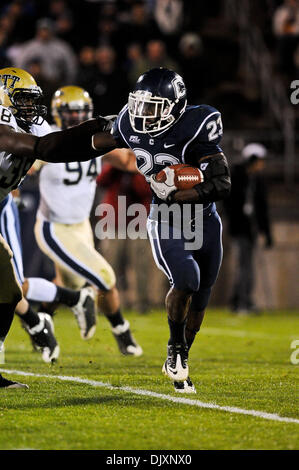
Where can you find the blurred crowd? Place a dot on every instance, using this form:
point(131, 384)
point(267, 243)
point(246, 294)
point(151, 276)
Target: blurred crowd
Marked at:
point(104, 46)
point(286, 30)
point(101, 46)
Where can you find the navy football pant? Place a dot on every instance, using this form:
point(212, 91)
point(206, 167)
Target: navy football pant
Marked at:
point(189, 270)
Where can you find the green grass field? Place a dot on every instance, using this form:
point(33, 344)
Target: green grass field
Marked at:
point(236, 361)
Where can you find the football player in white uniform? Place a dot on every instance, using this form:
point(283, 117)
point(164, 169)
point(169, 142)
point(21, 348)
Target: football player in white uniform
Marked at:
point(63, 231)
point(21, 125)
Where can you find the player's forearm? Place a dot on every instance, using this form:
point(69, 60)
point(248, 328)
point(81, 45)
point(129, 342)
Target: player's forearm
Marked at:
point(186, 195)
point(216, 184)
point(21, 145)
point(208, 191)
point(217, 181)
point(213, 190)
point(75, 143)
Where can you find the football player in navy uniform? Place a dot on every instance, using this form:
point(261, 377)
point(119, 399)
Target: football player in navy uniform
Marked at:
point(162, 130)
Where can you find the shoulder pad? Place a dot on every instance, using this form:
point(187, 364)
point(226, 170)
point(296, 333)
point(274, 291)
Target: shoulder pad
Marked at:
point(207, 131)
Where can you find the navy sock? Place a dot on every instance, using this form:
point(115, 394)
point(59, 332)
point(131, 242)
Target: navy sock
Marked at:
point(190, 336)
point(116, 319)
point(31, 318)
point(177, 331)
point(67, 297)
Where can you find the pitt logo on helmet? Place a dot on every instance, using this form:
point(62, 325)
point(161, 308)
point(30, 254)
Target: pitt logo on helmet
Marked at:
point(20, 93)
point(13, 78)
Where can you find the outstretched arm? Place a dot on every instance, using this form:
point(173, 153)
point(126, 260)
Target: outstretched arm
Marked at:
point(73, 144)
point(19, 144)
point(76, 143)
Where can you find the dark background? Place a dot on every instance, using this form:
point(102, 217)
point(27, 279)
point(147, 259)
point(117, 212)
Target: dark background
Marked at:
point(239, 56)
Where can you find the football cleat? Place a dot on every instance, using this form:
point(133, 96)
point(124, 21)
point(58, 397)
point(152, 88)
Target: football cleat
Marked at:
point(43, 339)
point(85, 313)
point(5, 383)
point(184, 387)
point(125, 341)
point(176, 364)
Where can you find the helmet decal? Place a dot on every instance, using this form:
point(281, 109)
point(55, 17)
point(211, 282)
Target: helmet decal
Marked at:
point(21, 94)
point(179, 87)
point(14, 79)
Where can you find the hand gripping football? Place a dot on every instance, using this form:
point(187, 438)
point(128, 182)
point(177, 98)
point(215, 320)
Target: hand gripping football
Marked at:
point(185, 176)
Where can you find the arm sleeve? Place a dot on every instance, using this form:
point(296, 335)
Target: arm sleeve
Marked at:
point(217, 182)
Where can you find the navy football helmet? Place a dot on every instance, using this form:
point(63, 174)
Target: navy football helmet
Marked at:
point(159, 99)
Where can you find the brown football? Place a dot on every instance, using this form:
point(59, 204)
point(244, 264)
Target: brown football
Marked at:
point(185, 176)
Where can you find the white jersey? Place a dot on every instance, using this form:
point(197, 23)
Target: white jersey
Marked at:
point(67, 190)
point(12, 168)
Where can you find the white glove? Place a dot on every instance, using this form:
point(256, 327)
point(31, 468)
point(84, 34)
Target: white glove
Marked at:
point(163, 190)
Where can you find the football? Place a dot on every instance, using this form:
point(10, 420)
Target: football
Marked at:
point(185, 176)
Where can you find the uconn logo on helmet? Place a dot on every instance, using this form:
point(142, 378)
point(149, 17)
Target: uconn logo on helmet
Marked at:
point(179, 87)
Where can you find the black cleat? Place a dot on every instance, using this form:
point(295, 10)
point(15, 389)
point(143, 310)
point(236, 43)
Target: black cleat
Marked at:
point(125, 341)
point(184, 387)
point(5, 383)
point(85, 313)
point(43, 339)
point(176, 364)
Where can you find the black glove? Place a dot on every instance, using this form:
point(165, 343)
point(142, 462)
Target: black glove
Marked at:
point(105, 123)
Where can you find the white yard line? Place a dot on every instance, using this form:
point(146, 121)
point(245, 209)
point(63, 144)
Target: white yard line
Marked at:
point(148, 393)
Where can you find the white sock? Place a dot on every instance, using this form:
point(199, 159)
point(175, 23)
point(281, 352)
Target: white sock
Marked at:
point(40, 290)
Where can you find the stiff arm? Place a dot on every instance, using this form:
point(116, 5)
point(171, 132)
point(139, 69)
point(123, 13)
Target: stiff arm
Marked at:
point(73, 144)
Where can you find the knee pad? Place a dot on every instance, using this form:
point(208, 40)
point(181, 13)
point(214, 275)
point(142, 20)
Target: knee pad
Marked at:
point(188, 276)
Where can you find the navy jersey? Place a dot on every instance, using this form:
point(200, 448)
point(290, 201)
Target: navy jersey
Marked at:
point(197, 133)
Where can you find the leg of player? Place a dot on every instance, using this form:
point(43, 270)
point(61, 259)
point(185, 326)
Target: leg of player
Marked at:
point(184, 277)
point(10, 295)
point(209, 259)
point(109, 304)
point(80, 301)
point(40, 328)
point(177, 304)
point(193, 323)
point(72, 250)
point(6, 317)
